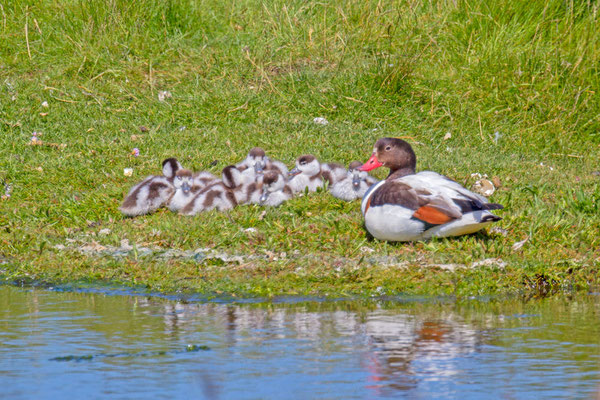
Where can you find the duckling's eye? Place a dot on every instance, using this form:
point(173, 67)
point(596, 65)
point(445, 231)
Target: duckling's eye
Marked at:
point(302, 162)
point(388, 148)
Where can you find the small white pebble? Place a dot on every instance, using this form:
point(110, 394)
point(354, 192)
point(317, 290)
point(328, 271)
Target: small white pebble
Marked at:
point(45, 104)
point(320, 121)
point(128, 171)
point(104, 231)
point(163, 95)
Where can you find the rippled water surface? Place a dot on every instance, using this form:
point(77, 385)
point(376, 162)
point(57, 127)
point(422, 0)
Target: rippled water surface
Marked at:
point(84, 345)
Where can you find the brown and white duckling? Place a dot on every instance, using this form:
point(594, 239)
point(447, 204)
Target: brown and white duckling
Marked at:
point(332, 173)
point(153, 192)
point(274, 189)
point(244, 189)
point(409, 206)
point(257, 162)
point(354, 185)
point(306, 174)
point(185, 189)
point(214, 196)
point(223, 195)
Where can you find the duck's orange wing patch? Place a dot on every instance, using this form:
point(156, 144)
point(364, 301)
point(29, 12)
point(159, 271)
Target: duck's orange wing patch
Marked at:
point(432, 215)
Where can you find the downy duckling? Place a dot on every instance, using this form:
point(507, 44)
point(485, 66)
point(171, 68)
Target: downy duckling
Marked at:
point(253, 165)
point(220, 195)
point(333, 173)
point(274, 189)
point(306, 174)
point(185, 189)
point(244, 189)
point(214, 196)
point(153, 192)
point(257, 162)
point(354, 185)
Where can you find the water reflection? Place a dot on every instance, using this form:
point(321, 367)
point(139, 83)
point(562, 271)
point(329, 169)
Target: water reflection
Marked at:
point(357, 349)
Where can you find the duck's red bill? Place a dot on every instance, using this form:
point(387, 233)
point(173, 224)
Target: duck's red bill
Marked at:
point(372, 163)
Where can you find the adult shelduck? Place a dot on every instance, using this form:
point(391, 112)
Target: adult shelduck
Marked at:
point(407, 206)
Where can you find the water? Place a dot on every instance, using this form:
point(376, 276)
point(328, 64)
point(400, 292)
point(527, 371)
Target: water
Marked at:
point(97, 346)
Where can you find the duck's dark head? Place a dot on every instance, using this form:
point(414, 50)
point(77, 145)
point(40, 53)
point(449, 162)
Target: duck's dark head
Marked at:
point(393, 153)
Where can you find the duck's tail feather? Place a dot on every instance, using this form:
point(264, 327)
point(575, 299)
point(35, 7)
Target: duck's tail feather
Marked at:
point(472, 204)
point(490, 218)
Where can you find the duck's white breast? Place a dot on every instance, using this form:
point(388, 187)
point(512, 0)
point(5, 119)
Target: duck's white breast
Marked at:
point(394, 223)
point(367, 196)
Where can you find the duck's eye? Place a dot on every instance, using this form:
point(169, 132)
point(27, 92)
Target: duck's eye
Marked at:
point(388, 148)
point(302, 162)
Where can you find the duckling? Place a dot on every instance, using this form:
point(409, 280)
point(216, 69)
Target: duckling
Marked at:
point(214, 196)
point(274, 189)
point(244, 189)
point(257, 162)
point(185, 189)
point(222, 195)
point(354, 185)
point(253, 165)
point(333, 173)
point(153, 192)
point(306, 174)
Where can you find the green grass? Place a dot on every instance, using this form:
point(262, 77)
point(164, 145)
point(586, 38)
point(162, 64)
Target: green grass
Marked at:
point(246, 74)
